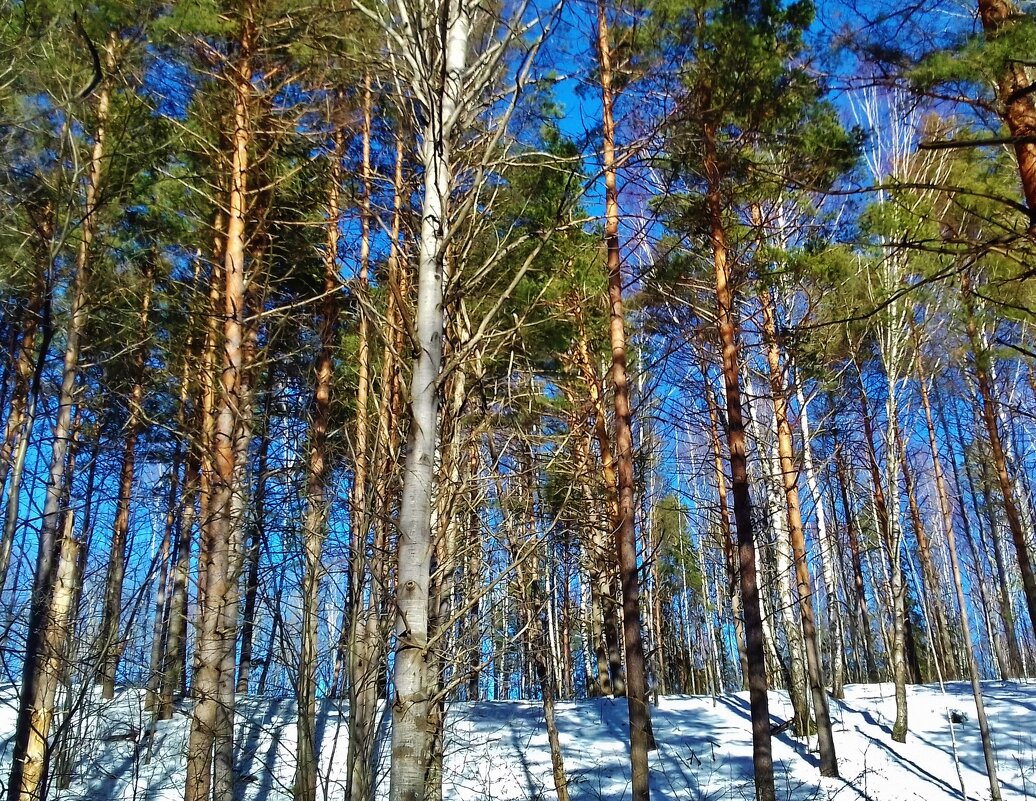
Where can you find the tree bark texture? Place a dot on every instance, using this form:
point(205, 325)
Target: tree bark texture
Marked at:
point(625, 533)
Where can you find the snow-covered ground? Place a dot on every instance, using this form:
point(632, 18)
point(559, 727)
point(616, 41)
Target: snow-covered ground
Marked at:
point(498, 751)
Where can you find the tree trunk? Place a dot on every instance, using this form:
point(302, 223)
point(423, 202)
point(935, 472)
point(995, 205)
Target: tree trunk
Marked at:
point(888, 525)
point(730, 554)
point(20, 413)
point(253, 552)
point(413, 727)
point(111, 646)
point(56, 558)
point(625, 533)
point(175, 658)
point(842, 476)
point(305, 788)
point(995, 543)
point(534, 603)
point(217, 636)
point(828, 553)
point(1018, 109)
point(762, 754)
point(364, 655)
point(604, 557)
point(790, 478)
point(946, 515)
point(981, 359)
point(597, 557)
point(943, 646)
point(167, 570)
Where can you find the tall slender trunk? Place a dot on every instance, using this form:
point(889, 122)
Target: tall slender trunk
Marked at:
point(167, 570)
point(56, 557)
point(603, 570)
point(175, 657)
point(980, 364)
point(790, 479)
point(887, 516)
point(946, 516)
point(253, 551)
point(828, 553)
point(943, 646)
point(783, 559)
point(598, 583)
point(413, 725)
point(16, 428)
point(111, 647)
point(534, 604)
point(174, 647)
point(305, 788)
point(842, 477)
point(217, 636)
point(365, 654)
point(762, 753)
point(730, 554)
point(625, 533)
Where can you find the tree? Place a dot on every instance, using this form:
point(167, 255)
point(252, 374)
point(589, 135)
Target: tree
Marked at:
point(641, 740)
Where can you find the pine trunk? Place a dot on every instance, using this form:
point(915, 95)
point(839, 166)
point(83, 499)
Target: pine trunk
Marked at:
point(789, 476)
point(641, 740)
point(207, 771)
point(111, 646)
point(1014, 89)
point(56, 557)
point(762, 753)
point(981, 360)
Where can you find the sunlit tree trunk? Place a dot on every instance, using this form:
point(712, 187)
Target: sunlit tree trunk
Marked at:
point(56, 558)
point(829, 555)
point(1014, 90)
point(413, 728)
point(625, 534)
point(762, 754)
point(789, 477)
point(217, 636)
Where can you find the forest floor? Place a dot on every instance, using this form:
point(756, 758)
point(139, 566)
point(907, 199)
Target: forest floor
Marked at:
point(498, 751)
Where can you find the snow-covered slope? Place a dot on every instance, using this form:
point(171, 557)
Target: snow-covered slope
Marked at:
point(498, 751)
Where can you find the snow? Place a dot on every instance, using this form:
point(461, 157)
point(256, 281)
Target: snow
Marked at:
point(497, 751)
